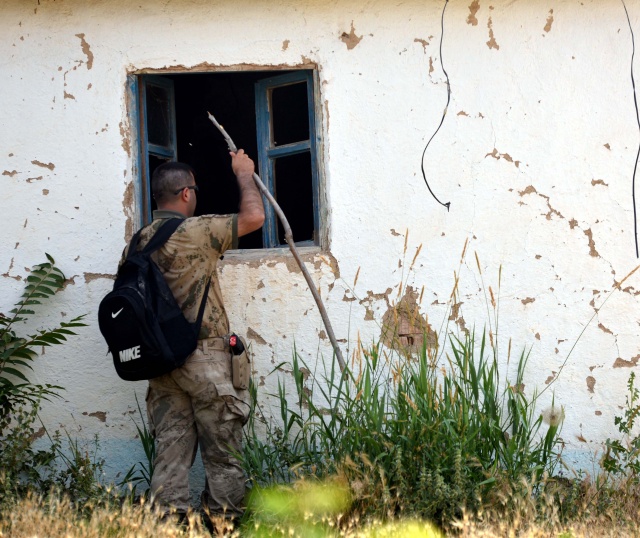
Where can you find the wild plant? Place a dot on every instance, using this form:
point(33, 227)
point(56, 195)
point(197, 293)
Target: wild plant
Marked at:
point(625, 458)
point(141, 472)
point(20, 399)
point(409, 437)
point(429, 431)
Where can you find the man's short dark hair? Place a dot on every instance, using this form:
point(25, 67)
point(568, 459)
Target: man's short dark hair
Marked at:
point(168, 178)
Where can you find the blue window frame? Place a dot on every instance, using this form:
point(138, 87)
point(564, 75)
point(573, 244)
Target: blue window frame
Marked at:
point(275, 120)
point(277, 144)
point(158, 141)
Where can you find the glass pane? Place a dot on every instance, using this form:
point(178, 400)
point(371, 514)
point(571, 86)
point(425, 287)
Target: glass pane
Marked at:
point(289, 114)
point(154, 162)
point(158, 116)
point(294, 193)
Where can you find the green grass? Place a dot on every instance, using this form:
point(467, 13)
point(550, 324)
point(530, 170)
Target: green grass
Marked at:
point(411, 436)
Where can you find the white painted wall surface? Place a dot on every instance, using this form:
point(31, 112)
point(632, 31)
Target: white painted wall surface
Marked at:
point(536, 156)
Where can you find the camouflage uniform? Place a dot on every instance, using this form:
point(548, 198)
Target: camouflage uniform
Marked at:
point(197, 404)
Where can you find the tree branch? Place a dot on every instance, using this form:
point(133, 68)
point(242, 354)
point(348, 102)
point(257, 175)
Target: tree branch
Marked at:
point(289, 239)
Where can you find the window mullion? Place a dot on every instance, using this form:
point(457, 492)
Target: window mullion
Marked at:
point(265, 164)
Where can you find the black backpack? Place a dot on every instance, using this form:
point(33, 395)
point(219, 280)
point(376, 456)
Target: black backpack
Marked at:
point(141, 321)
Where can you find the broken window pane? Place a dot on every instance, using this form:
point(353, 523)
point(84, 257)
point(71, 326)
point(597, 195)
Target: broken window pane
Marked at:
point(290, 114)
point(158, 116)
point(294, 193)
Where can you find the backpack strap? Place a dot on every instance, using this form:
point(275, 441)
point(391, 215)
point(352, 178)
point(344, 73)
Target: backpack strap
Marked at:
point(160, 238)
point(162, 235)
point(202, 305)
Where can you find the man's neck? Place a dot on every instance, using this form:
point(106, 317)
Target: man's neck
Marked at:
point(168, 214)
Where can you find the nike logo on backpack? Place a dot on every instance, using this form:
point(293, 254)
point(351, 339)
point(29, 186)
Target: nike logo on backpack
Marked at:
point(114, 315)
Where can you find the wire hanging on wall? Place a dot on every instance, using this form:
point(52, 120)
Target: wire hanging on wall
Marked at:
point(635, 100)
point(444, 113)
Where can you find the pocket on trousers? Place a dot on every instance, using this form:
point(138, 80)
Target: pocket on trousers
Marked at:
point(235, 400)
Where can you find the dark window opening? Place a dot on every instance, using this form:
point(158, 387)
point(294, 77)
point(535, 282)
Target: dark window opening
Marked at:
point(270, 117)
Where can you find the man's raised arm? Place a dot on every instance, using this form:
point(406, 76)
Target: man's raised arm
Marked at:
point(251, 212)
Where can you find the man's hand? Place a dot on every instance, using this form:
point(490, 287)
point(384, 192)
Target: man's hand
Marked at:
point(241, 164)
point(251, 212)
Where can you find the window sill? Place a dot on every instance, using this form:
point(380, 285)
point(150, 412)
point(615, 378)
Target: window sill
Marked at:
point(268, 255)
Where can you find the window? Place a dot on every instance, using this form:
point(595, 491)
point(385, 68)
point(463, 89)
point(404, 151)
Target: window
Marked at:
point(271, 116)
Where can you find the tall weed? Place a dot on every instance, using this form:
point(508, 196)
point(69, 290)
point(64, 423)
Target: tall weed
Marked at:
point(429, 431)
point(22, 466)
point(408, 435)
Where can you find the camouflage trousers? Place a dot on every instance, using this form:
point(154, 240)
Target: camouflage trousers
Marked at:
point(197, 405)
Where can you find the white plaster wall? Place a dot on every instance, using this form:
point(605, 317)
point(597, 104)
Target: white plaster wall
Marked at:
point(536, 156)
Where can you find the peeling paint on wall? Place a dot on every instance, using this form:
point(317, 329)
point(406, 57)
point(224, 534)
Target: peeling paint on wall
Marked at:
point(87, 50)
point(591, 383)
point(255, 337)
point(350, 39)
point(404, 328)
point(126, 141)
point(370, 299)
point(604, 329)
point(457, 318)
point(90, 277)
point(504, 156)
point(100, 415)
point(592, 244)
point(492, 43)
point(423, 42)
point(621, 363)
point(473, 10)
point(547, 27)
point(50, 166)
point(532, 190)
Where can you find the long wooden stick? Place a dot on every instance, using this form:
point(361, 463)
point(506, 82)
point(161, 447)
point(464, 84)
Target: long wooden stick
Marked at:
point(288, 236)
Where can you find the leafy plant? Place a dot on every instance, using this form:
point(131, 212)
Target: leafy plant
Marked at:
point(20, 399)
point(409, 436)
point(622, 457)
point(79, 475)
point(17, 352)
point(429, 431)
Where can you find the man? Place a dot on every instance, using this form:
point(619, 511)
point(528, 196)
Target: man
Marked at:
point(197, 404)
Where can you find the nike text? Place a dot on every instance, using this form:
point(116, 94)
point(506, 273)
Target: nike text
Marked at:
point(127, 355)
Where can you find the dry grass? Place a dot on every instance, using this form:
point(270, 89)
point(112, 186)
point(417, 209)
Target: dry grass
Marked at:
point(57, 518)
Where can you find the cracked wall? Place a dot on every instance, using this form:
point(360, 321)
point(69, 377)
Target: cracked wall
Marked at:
point(536, 155)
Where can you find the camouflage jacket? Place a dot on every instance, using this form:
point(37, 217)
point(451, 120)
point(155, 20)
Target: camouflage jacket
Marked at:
point(189, 258)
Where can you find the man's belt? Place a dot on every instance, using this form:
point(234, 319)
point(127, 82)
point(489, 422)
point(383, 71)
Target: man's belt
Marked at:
point(213, 344)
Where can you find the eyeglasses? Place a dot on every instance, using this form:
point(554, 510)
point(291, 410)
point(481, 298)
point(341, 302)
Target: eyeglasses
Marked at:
point(194, 187)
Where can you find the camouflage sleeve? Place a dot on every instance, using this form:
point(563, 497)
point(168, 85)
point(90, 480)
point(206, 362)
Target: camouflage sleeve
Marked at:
point(219, 232)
